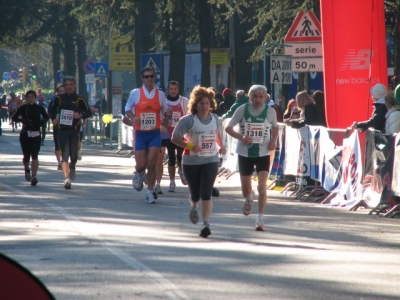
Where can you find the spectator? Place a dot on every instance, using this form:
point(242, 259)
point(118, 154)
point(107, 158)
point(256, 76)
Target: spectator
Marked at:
point(392, 124)
point(220, 109)
point(309, 113)
point(123, 103)
point(241, 99)
point(228, 99)
point(271, 103)
point(319, 99)
point(288, 112)
point(377, 120)
point(40, 96)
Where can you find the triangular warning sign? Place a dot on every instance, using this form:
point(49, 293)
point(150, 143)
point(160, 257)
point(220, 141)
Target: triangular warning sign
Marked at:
point(152, 64)
point(305, 28)
point(101, 71)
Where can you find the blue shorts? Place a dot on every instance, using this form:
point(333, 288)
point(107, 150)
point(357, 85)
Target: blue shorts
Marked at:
point(146, 139)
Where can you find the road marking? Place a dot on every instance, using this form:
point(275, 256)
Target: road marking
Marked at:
point(172, 291)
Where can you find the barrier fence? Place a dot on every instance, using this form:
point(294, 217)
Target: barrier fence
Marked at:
point(339, 167)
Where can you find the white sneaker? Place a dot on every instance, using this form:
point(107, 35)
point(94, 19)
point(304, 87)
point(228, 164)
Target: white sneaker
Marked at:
point(248, 202)
point(172, 187)
point(259, 224)
point(151, 197)
point(137, 181)
point(67, 184)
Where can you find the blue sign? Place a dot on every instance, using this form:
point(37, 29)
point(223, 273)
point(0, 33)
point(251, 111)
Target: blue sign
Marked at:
point(89, 66)
point(59, 76)
point(151, 60)
point(101, 70)
point(14, 75)
point(6, 76)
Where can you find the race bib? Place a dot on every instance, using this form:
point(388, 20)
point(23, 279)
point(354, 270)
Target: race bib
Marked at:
point(207, 144)
point(176, 115)
point(255, 131)
point(66, 117)
point(33, 134)
point(147, 121)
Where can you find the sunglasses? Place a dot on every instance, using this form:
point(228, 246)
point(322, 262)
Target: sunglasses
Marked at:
point(148, 76)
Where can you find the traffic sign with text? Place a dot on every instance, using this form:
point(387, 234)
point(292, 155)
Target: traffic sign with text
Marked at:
point(307, 64)
point(310, 49)
point(281, 69)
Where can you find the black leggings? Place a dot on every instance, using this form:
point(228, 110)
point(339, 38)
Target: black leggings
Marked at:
point(200, 179)
point(30, 146)
point(68, 140)
point(55, 139)
point(171, 153)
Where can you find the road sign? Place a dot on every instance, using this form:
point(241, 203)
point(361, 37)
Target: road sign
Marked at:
point(311, 49)
point(14, 75)
point(281, 69)
point(101, 70)
point(89, 66)
point(305, 28)
point(307, 64)
point(6, 76)
point(151, 60)
point(122, 53)
point(89, 78)
point(60, 76)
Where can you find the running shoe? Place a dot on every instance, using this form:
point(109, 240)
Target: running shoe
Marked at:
point(34, 181)
point(205, 230)
point(259, 225)
point(157, 189)
point(248, 202)
point(80, 155)
point(72, 174)
point(67, 184)
point(59, 166)
point(194, 215)
point(183, 179)
point(28, 176)
point(151, 197)
point(172, 186)
point(137, 181)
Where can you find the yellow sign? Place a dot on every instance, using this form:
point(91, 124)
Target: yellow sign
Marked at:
point(219, 56)
point(122, 53)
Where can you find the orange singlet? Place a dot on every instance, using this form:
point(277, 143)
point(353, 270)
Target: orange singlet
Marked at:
point(148, 110)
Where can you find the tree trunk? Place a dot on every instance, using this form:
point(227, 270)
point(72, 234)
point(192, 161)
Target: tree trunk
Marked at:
point(56, 53)
point(205, 33)
point(178, 48)
point(144, 36)
point(81, 48)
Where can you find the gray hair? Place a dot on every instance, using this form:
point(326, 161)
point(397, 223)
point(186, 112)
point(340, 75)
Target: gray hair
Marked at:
point(257, 88)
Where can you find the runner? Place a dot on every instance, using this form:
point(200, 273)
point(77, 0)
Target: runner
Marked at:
point(145, 107)
point(254, 146)
point(13, 103)
point(32, 117)
point(59, 90)
point(178, 104)
point(68, 111)
point(199, 133)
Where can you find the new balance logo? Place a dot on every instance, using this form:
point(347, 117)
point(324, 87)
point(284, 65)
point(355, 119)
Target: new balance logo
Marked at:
point(356, 60)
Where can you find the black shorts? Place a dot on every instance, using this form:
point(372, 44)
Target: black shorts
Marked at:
point(246, 164)
point(164, 142)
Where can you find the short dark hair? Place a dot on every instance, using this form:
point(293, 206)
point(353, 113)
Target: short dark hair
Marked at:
point(30, 92)
point(172, 82)
point(148, 69)
point(69, 78)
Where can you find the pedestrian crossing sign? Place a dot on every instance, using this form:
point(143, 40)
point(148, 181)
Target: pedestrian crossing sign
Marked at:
point(101, 70)
point(305, 28)
point(151, 60)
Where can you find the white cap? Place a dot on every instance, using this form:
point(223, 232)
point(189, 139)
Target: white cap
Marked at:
point(378, 91)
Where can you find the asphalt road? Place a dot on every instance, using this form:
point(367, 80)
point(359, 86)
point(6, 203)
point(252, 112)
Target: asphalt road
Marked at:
point(100, 240)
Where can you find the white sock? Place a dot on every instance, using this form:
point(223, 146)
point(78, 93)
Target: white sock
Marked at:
point(260, 216)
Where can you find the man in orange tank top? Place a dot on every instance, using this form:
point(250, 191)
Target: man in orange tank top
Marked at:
point(147, 108)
